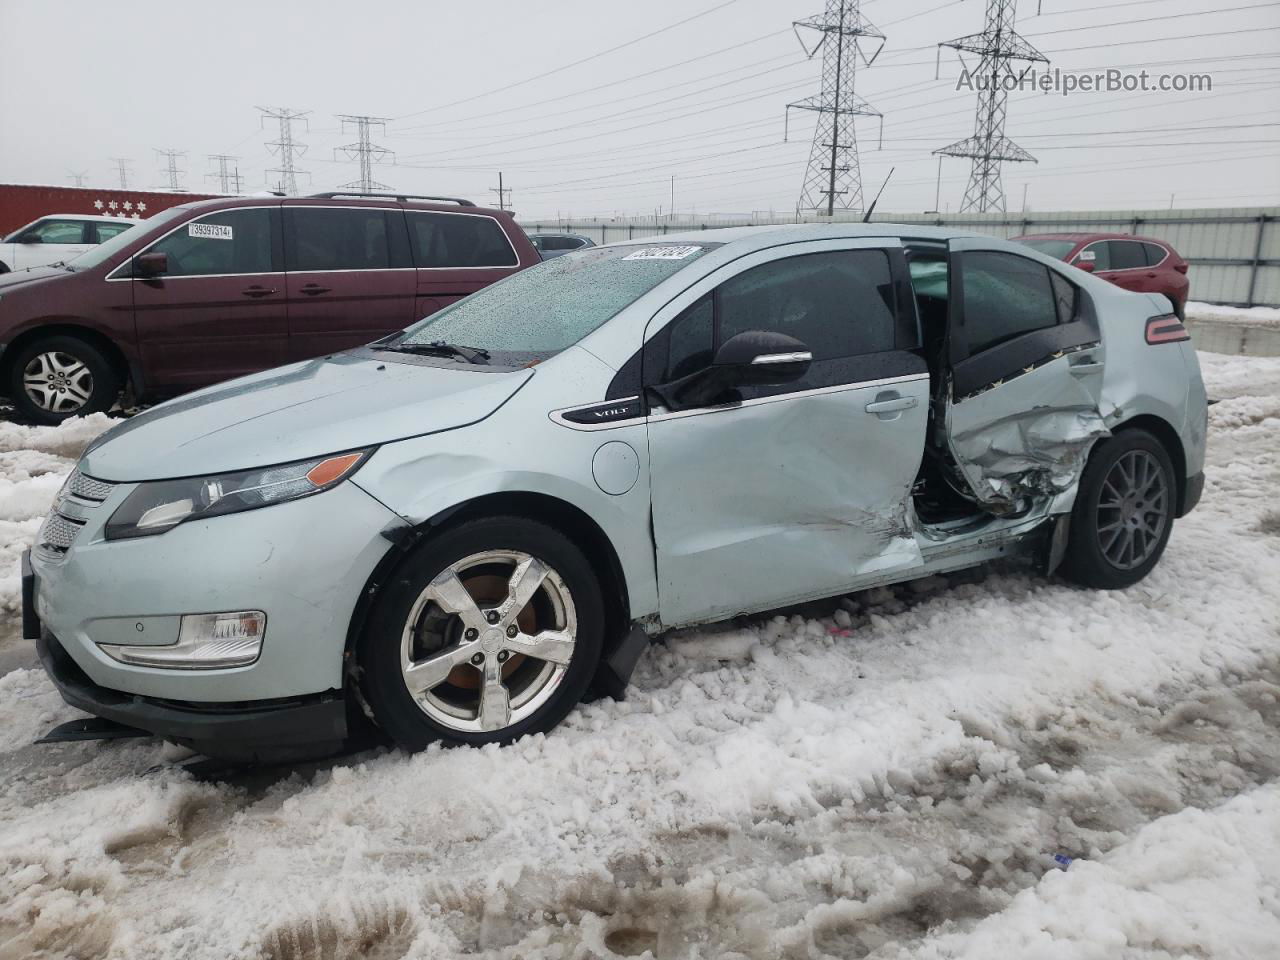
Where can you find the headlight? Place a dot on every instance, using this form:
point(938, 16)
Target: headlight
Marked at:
point(163, 504)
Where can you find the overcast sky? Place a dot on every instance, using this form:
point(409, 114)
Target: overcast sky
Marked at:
point(460, 83)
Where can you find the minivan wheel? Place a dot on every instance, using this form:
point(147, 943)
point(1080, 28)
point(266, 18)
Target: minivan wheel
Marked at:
point(1123, 513)
point(487, 632)
point(59, 377)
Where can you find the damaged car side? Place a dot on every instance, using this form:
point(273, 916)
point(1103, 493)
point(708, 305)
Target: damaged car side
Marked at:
point(462, 529)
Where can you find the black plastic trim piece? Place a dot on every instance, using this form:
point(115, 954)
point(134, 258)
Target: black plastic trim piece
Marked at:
point(1192, 489)
point(624, 408)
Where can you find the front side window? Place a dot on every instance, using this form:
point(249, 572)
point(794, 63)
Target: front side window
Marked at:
point(330, 238)
point(538, 312)
point(1126, 255)
point(462, 240)
point(1005, 296)
point(232, 241)
point(57, 231)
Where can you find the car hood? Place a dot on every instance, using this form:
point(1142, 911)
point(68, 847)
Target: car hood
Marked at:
point(29, 276)
point(296, 412)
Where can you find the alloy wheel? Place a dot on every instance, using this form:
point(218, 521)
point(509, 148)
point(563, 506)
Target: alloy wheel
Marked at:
point(488, 640)
point(57, 382)
point(1133, 510)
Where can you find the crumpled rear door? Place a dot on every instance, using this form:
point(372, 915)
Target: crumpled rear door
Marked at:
point(1022, 414)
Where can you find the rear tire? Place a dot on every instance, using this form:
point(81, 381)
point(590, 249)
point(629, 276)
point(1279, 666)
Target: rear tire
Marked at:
point(488, 631)
point(54, 378)
point(1123, 513)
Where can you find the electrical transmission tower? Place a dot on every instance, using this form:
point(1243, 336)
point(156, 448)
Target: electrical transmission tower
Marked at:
point(228, 175)
point(170, 169)
point(998, 46)
point(367, 152)
point(834, 177)
point(285, 147)
point(122, 171)
point(79, 178)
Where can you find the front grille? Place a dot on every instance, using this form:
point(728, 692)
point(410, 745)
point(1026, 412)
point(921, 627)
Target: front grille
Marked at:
point(87, 488)
point(58, 532)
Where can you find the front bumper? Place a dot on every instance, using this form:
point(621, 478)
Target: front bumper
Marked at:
point(273, 731)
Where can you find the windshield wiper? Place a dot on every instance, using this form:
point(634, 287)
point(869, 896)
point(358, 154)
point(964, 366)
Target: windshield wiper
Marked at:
point(442, 349)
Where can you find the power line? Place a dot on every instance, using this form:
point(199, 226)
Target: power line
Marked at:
point(576, 63)
point(285, 147)
point(833, 169)
point(364, 150)
point(170, 169)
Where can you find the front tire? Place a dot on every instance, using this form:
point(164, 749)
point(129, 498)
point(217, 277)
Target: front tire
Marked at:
point(488, 631)
point(54, 378)
point(1123, 514)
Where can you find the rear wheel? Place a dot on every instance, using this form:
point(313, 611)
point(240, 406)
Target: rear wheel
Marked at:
point(58, 377)
point(1123, 513)
point(489, 631)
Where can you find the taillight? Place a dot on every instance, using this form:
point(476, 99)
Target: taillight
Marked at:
point(1166, 329)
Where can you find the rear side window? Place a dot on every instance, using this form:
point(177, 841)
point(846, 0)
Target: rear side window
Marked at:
point(1155, 253)
point(1005, 296)
point(838, 304)
point(1064, 296)
point(227, 242)
point(329, 238)
point(1097, 253)
point(1126, 254)
point(105, 231)
point(460, 240)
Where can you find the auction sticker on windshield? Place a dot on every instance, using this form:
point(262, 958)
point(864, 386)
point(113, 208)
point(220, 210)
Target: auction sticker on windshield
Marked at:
point(210, 231)
point(663, 253)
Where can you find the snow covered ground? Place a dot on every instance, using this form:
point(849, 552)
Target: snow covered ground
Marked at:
point(903, 774)
point(1251, 316)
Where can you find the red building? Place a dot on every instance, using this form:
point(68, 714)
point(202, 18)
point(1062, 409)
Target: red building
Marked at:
point(22, 203)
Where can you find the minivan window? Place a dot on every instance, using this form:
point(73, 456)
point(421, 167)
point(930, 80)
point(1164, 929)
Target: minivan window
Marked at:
point(538, 312)
point(459, 240)
point(329, 238)
point(109, 248)
point(235, 241)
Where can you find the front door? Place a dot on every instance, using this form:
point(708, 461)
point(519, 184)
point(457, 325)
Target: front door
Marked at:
point(350, 277)
point(799, 490)
point(1027, 361)
point(50, 240)
point(219, 310)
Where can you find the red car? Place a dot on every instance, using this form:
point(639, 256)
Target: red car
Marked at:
point(207, 291)
point(1142, 264)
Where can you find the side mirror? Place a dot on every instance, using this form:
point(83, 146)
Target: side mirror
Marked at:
point(150, 264)
point(752, 358)
point(1085, 265)
point(31, 238)
point(758, 357)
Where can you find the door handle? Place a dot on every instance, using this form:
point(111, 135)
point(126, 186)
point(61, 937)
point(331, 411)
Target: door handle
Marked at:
point(891, 404)
point(257, 291)
point(311, 289)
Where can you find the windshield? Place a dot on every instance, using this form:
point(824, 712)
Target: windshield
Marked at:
point(1058, 249)
point(109, 248)
point(538, 312)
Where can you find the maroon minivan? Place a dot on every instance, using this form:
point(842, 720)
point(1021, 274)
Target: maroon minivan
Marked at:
point(211, 290)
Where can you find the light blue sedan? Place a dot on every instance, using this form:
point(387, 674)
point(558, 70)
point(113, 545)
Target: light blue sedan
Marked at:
point(463, 529)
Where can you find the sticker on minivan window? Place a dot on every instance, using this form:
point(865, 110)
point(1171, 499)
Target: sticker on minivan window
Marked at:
point(209, 231)
point(662, 253)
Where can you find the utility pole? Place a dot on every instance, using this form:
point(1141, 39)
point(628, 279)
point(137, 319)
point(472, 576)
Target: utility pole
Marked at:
point(228, 176)
point(170, 169)
point(501, 191)
point(1024, 197)
point(122, 171)
point(834, 170)
point(79, 178)
point(998, 46)
point(937, 190)
point(285, 147)
point(673, 196)
point(364, 150)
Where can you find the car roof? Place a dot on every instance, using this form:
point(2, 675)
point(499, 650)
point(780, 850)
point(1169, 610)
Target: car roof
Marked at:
point(763, 237)
point(99, 217)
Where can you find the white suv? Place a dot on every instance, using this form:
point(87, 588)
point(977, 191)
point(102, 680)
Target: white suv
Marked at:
point(59, 236)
